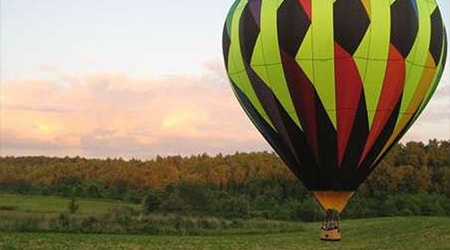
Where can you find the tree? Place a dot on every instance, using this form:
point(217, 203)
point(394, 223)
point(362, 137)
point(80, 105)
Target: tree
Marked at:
point(93, 190)
point(195, 195)
point(150, 203)
point(73, 205)
point(173, 203)
point(236, 207)
point(308, 211)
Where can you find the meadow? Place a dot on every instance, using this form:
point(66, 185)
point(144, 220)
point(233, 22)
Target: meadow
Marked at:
point(373, 233)
point(56, 204)
point(376, 233)
point(51, 214)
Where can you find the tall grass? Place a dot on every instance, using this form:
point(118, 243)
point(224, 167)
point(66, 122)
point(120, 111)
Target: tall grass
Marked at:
point(126, 220)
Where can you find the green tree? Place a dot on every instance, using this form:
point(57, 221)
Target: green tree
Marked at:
point(93, 190)
point(195, 195)
point(235, 207)
point(309, 211)
point(173, 203)
point(73, 205)
point(150, 203)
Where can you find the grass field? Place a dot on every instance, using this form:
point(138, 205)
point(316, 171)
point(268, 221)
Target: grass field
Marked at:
point(53, 204)
point(377, 233)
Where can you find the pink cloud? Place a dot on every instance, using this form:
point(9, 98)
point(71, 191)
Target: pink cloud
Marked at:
point(48, 68)
point(435, 120)
point(112, 115)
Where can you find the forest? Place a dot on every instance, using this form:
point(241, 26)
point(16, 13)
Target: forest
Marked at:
point(414, 179)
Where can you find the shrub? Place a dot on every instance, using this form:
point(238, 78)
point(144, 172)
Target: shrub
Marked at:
point(133, 196)
point(173, 203)
point(28, 224)
point(93, 190)
point(289, 210)
point(62, 223)
point(309, 211)
point(210, 223)
point(150, 203)
point(121, 214)
point(235, 207)
point(8, 208)
point(358, 207)
point(264, 202)
point(63, 220)
point(195, 195)
point(90, 225)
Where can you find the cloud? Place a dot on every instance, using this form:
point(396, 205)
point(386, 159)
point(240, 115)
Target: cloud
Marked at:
point(109, 114)
point(435, 120)
point(48, 68)
point(113, 115)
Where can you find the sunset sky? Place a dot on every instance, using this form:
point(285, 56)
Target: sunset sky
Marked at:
point(104, 78)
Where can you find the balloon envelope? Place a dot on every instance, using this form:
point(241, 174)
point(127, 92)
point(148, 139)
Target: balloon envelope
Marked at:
point(333, 84)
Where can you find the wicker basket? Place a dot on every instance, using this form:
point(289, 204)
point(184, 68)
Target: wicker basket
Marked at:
point(331, 235)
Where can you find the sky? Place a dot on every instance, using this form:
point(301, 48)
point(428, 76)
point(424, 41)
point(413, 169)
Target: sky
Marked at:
point(101, 78)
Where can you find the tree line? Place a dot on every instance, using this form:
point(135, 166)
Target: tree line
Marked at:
point(414, 179)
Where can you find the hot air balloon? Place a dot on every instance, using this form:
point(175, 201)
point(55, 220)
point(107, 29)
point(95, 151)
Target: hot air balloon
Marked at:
point(332, 85)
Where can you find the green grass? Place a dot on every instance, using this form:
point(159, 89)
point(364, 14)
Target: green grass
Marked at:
point(376, 233)
point(53, 204)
